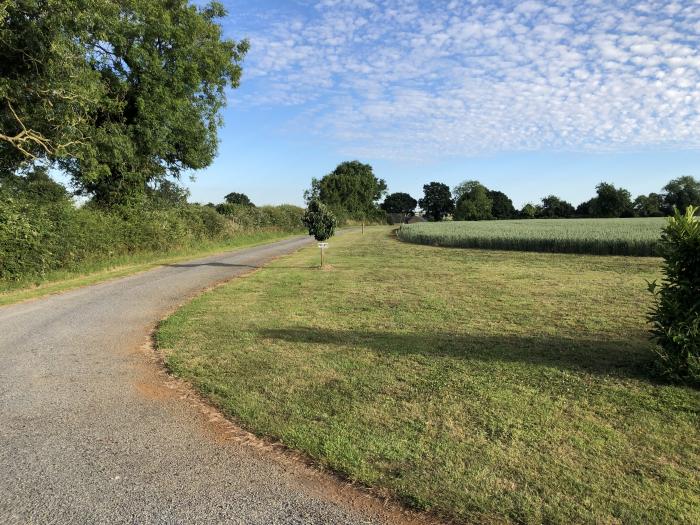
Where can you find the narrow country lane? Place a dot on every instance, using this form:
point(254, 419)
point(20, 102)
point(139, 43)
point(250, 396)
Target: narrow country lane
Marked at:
point(89, 433)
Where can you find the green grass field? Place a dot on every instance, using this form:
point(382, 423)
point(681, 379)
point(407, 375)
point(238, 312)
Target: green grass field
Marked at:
point(501, 387)
point(592, 236)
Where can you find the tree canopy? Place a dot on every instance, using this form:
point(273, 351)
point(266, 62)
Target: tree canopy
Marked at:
point(649, 205)
point(437, 201)
point(608, 202)
point(350, 190)
point(238, 198)
point(319, 220)
point(116, 94)
point(399, 203)
point(501, 205)
point(473, 203)
point(554, 207)
point(681, 193)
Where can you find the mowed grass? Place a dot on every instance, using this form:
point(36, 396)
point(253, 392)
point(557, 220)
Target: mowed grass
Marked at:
point(483, 386)
point(591, 236)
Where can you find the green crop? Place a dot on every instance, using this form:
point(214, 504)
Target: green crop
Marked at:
point(638, 236)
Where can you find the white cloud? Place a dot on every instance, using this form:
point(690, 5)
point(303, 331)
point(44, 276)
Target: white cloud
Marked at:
point(410, 78)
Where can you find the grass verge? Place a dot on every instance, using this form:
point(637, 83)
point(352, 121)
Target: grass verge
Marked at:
point(99, 271)
point(483, 386)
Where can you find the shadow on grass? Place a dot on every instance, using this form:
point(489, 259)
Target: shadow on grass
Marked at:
point(619, 358)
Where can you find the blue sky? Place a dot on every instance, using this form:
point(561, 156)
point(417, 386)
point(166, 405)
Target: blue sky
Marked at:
point(529, 97)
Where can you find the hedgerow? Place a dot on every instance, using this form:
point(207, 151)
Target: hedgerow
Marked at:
point(37, 238)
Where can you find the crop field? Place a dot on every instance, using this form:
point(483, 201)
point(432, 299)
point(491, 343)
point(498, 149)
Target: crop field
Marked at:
point(592, 236)
point(489, 388)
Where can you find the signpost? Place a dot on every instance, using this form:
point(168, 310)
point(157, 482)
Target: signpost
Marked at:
point(323, 246)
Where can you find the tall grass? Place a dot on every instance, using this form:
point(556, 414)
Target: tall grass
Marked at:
point(638, 237)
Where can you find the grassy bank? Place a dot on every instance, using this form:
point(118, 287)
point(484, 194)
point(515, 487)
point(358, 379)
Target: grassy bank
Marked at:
point(590, 236)
point(494, 387)
point(99, 271)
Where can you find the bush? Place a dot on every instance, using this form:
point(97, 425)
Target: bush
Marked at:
point(675, 317)
point(36, 237)
point(283, 218)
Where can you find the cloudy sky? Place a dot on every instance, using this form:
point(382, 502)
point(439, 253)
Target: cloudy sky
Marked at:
point(530, 97)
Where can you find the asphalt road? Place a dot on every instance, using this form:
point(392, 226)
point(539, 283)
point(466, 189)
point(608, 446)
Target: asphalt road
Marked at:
point(92, 432)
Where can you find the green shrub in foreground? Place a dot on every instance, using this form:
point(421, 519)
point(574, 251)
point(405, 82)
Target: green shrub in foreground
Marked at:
point(675, 317)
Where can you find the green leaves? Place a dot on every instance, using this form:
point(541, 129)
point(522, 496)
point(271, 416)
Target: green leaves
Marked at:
point(320, 221)
point(675, 317)
point(437, 201)
point(351, 190)
point(119, 94)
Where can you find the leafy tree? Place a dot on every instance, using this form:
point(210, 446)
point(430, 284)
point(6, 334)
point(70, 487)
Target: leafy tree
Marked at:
point(501, 205)
point(675, 316)
point(351, 190)
point(474, 203)
point(35, 185)
point(585, 209)
point(167, 193)
point(681, 193)
point(238, 198)
point(554, 207)
point(529, 211)
point(119, 94)
point(48, 89)
point(319, 220)
point(610, 201)
point(401, 203)
point(649, 205)
point(437, 201)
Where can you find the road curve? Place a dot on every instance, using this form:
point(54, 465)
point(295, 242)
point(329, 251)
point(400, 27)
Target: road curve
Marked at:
point(90, 434)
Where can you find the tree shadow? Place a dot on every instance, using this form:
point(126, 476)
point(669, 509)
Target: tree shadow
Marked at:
point(618, 358)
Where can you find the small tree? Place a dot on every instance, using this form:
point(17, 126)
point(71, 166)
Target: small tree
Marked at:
point(320, 221)
point(675, 316)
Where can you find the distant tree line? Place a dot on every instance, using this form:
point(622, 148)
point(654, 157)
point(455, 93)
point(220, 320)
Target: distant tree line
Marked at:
point(472, 201)
point(353, 192)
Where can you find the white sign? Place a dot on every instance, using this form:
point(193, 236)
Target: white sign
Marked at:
point(323, 245)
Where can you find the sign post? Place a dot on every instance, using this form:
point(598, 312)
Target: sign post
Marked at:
point(323, 246)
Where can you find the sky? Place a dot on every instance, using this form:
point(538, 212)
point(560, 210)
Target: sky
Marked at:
point(529, 97)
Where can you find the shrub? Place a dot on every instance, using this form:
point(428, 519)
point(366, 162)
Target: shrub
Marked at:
point(675, 317)
point(284, 217)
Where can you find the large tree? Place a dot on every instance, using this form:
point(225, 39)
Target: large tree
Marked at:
point(553, 207)
point(501, 207)
point(119, 94)
point(437, 201)
point(681, 193)
point(649, 205)
point(401, 203)
point(610, 202)
point(351, 190)
point(474, 203)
